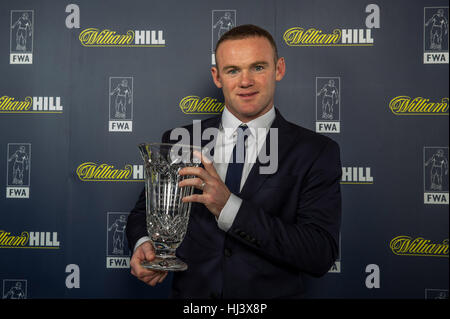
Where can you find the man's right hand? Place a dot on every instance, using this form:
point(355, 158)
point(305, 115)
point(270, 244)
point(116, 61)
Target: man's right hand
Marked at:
point(146, 252)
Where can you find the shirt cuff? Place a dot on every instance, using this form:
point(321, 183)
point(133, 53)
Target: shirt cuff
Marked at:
point(229, 212)
point(141, 241)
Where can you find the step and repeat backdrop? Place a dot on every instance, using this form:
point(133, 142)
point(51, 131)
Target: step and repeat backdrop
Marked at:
point(83, 83)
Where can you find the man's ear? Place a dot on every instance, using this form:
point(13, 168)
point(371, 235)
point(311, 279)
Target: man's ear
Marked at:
point(216, 77)
point(280, 69)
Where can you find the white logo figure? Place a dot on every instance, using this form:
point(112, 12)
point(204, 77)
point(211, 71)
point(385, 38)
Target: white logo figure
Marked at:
point(221, 22)
point(441, 295)
point(329, 99)
point(224, 24)
point(24, 30)
point(439, 29)
point(21, 163)
point(439, 163)
point(15, 292)
point(436, 294)
point(119, 226)
point(123, 94)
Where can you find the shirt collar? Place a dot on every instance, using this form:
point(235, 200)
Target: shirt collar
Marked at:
point(231, 123)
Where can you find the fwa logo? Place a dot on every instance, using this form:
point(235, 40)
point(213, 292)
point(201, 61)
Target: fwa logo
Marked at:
point(14, 289)
point(117, 251)
point(18, 170)
point(222, 21)
point(436, 293)
point(21, 37)
point(435, 175)
point(121, 104)
point(328, 104)
point(435, 35)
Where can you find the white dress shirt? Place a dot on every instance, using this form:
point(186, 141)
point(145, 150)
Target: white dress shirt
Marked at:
point(225, 141)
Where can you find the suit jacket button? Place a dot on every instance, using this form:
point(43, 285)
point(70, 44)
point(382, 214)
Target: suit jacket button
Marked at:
point(227, 252)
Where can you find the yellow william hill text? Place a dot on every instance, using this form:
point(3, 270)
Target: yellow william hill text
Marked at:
point(30, 239)
point(407, 246)
point(35, 104)
point(405, 105)
point(297, 37)
point(92, 172)
point(194, 105)
point(93, 37)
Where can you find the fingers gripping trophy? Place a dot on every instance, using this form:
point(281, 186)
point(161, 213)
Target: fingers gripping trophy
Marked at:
point(167, 216)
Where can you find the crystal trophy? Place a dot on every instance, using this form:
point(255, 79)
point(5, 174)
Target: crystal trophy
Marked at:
point(167, 216)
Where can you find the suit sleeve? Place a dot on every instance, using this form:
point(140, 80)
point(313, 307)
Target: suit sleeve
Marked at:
point(310, 244)
point(136, 223)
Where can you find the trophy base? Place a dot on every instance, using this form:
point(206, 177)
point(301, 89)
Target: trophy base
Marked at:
point(165, 264)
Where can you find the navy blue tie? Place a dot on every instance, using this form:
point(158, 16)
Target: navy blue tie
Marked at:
point(236, 164)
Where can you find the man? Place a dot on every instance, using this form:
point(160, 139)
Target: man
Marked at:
point(257, 241)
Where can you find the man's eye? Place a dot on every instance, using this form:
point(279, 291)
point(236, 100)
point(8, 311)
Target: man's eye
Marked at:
point(232, 71)
point(259, 68)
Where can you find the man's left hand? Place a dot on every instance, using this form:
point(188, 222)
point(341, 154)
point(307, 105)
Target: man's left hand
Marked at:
point(215, 192)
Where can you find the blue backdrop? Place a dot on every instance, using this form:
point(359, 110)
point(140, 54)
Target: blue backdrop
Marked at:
point(83, 83)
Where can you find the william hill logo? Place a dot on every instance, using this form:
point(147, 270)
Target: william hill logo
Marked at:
point(297, 37)
point(32, 239)
point(195, 105)
point(405, 105)
point(93, 37)
point(35, 104)
point(92, 172)
point(356, 175)
point(407, 246)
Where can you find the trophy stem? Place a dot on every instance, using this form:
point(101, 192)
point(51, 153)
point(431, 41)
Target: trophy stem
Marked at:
point(165, 253)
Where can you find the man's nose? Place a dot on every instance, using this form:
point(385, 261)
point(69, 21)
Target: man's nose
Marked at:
point(246, 79)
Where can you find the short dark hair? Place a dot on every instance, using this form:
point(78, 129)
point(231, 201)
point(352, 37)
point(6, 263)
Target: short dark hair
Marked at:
point(248, 31)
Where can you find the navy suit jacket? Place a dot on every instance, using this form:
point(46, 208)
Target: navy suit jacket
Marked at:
point(288, 224)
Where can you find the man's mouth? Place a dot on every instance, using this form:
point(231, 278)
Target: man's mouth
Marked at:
point(246, 95)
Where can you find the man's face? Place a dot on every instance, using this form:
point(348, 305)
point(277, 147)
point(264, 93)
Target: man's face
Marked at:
point(246, 72)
